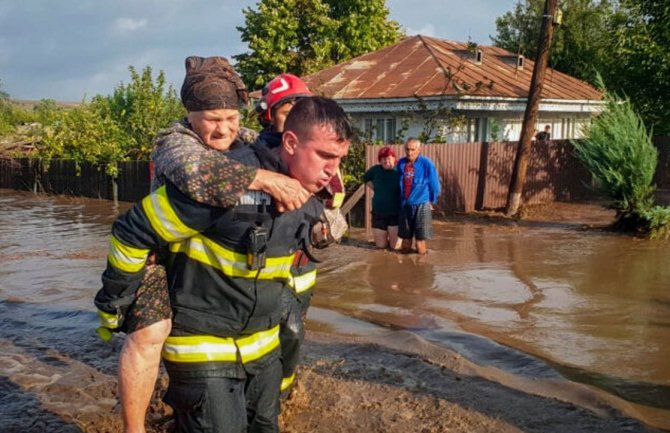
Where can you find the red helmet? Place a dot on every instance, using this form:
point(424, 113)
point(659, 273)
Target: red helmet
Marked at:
point(279, 90)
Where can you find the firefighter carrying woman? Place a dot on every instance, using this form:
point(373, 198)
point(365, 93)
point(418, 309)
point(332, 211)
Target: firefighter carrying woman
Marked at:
point(199, 179)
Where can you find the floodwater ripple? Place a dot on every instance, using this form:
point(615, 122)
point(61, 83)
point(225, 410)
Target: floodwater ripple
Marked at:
point(541, 303)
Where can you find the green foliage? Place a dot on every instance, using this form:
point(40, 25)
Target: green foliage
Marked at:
point(619, 153)
point(304, 36)
point(362, 27)
point(437, 121)
point(12, 116)
point(353, 166)
point(658, 218)
point(84, 134)
point(626, 41)
point(580, 44)
point(495, 131)
point(141, 108)
point(46, 112)
point(639, 61)
point(518, 30)
point(111, 128)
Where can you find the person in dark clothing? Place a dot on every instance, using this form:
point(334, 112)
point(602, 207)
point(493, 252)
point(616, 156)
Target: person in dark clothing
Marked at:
point(279, 96)
point(191, 154)
point(544, 135)
point(384, 179)
point(227, 268)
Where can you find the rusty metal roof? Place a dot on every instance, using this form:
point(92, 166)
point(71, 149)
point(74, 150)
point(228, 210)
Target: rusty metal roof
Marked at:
point(424, 66)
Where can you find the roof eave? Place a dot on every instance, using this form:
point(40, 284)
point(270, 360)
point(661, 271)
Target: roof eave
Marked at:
point(467, 103)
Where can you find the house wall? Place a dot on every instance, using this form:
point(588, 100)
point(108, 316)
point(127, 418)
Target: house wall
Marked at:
point(472, 127)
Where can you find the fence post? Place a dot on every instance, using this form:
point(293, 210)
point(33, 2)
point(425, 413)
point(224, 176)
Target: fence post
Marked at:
point(115, 191)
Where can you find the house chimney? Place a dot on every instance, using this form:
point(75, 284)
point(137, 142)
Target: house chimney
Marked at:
point(520, 61)
point(517, 61)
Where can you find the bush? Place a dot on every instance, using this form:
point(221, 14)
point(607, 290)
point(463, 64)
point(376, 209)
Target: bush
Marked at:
point(619, 153)
point(113, 128)
point(13, 115)
point(141, 108)
point(83, 134)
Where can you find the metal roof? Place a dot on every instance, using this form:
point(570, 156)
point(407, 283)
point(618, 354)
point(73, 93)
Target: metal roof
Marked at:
point(423, 66)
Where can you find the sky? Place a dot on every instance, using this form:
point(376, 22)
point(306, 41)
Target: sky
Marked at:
point(72, 50)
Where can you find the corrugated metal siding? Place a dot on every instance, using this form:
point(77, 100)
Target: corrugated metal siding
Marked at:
point(662, 178)
point(476, 176)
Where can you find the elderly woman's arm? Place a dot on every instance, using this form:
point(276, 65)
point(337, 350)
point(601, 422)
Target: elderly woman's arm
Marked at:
point(209, 176)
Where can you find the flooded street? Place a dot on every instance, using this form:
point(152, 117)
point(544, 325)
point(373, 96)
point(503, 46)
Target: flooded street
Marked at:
point(535, 306)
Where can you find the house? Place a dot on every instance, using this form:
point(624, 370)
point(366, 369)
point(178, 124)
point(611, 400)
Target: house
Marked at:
point(451, 92)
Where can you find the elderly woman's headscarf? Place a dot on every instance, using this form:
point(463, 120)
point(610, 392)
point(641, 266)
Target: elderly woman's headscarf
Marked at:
point(211, 83)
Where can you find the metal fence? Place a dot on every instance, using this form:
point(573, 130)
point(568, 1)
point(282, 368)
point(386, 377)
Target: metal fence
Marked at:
point(476, 176)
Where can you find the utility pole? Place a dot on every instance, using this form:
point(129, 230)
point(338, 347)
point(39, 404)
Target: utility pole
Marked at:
point(532, 106)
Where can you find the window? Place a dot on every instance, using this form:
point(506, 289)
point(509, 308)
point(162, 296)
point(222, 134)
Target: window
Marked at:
point(380, 130)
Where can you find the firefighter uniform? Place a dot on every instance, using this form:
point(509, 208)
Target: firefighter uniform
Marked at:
point(229, 272)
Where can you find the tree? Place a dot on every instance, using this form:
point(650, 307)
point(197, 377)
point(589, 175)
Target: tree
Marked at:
point(114, 128)
point(141, 108)
point(304, 36)
point(639, 62)
point(363, 27)
point(625, 41)
point(618, 152)
point(581, 43)
point(84, 134)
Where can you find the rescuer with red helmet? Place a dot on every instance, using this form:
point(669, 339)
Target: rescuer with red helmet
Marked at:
point(277, 99)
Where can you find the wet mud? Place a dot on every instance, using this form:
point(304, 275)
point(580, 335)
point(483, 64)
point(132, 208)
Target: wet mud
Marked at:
point(551, 325)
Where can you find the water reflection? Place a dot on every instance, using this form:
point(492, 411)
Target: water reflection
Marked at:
point(592, 304)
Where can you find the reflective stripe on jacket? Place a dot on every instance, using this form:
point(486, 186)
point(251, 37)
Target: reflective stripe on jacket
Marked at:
point(207, 348)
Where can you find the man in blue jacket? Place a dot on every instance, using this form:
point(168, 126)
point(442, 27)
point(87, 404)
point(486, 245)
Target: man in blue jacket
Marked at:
point(419, 190)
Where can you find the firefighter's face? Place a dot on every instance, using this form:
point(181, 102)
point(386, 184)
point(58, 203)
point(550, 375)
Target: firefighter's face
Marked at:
point(280, 114)
point(216, 128)
point(314, 159)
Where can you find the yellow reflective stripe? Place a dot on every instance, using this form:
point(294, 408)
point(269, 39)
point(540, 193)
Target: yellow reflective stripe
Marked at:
point(259, 344)
point(302, 283)
point(108, 320)
point(125, 258)
point(287, 382)
point(205, 250)
point(163, 218)
point(193, 349)
point(208, 348)
point(338, 200)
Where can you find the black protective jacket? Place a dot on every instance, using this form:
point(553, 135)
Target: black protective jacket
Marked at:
point(227, 268)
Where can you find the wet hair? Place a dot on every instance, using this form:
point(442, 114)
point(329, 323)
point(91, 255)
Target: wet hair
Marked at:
point(318, 111)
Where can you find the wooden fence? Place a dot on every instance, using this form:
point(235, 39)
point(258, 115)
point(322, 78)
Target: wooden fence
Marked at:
point(69, 178)
point(474, 176)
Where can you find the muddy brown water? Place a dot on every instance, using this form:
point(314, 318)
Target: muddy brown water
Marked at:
point(542, 302)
